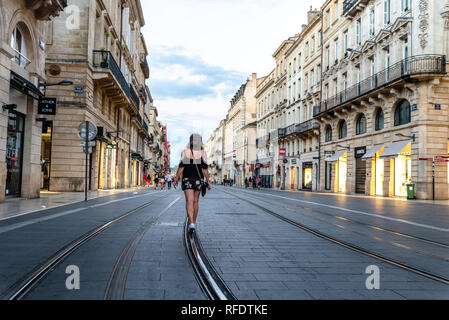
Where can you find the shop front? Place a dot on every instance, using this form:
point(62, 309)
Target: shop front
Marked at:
point(340, 158)
point(399, 155)
point(307, 174)
point(14, 153)
point(377, 169)
point(360, 170)
point(46, 146)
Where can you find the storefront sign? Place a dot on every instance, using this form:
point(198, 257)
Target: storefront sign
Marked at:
point(282, 152)
point(47, 106)
point(414, 107)
point(294, 161)
point(360, 152)
point(328, 154)
point(438, 107)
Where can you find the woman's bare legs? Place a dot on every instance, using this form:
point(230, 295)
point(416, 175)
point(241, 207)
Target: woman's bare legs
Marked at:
point(190, 205)
point(196, 206)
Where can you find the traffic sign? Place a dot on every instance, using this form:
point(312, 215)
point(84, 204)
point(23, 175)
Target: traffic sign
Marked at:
point(90, 128)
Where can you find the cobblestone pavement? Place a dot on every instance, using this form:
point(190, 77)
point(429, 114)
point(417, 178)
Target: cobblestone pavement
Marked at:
point(258, 255)
point(262, 257)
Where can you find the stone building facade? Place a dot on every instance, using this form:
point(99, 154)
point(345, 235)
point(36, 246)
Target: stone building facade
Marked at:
point(23, 42)
point(384, 99)
point(106, 57)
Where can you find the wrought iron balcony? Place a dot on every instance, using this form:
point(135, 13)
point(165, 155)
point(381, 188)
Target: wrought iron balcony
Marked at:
point(307, 126)
point(144, 65)
point(351, 7)
point(273, 135)
point(134, 96)
point(105, 60)
point(412, 66)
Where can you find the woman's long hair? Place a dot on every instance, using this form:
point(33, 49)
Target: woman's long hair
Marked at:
point(196, 142)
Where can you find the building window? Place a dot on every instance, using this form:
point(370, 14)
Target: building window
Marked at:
point(342, 130)
point(361, 125)
point(402, 114)
point(345, 37)
point(379, 119)
point(328, 133)
point(336, 50)
point(358, 31)
point(336, 10)
point(328, 18)
point(371, 22)
point(19, 46)
point(405, 5)
point(387, 12)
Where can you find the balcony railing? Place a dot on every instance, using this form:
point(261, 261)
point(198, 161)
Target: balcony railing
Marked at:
point(145, 126)
point(134, 96)
point(290, 130)
point(348, 4)
point(416, 65)
point(105, 60)
point(307, 126)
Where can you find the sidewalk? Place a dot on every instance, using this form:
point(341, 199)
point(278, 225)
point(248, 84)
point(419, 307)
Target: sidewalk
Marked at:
point(19, 206)
point(332, 194)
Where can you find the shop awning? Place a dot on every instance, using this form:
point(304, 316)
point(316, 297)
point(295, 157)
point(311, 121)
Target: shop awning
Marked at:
point(136, 156)
point(372, 152)
point(23, 85)
point(336, 156)
point(395, 148)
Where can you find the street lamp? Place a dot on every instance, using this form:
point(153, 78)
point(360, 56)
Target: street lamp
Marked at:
point(413, 136)
point(347, 148)
point(45, 85)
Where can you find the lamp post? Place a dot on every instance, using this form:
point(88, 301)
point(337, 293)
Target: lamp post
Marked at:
point(45, 85)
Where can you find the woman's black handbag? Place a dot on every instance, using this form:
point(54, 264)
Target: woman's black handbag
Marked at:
point(203, 184)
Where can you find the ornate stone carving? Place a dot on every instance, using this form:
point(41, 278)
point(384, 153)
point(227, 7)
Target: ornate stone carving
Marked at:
point(423, 23)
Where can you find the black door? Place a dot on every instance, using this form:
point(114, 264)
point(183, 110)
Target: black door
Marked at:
point(360, 176)
point(14, 154)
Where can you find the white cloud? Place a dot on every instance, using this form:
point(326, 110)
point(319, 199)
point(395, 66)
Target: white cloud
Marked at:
point(201, 50)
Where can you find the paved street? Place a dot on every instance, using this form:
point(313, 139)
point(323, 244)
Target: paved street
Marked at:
point(258, 256)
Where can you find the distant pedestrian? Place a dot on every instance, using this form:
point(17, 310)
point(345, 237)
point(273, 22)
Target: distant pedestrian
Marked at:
point(259, 183)
point(246, 183)
point(194, 170)
point(144, 179)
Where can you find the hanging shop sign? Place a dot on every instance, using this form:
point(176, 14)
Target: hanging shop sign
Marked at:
point(282, 152)
point(360, 152)
point(47, 106)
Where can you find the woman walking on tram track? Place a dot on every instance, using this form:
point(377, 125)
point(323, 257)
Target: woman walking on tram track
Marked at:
point(194, 170)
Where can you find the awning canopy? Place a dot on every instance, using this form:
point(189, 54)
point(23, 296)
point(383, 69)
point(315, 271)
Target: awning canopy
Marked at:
point(396, 148)
point(136, 156)
point(23, 85)
point(336, 156)
point(372, 152)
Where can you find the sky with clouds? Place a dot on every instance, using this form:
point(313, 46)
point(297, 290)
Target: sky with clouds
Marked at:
point(202, 51)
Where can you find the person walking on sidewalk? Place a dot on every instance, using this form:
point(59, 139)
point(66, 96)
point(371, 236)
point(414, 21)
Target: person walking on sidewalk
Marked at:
point(193, 168)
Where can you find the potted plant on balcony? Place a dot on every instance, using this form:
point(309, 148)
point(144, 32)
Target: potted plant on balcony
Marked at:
point(104, 58)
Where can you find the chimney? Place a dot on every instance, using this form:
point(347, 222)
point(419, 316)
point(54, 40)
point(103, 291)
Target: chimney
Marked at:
point(312, 14)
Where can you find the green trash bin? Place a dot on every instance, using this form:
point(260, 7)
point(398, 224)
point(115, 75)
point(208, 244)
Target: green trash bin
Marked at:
point(411, 192)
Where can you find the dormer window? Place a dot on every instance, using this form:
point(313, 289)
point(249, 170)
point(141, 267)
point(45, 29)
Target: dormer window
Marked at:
point(19, 47)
